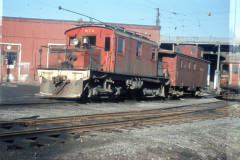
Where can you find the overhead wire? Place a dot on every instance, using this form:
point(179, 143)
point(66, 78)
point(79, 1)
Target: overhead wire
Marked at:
point(179, 19)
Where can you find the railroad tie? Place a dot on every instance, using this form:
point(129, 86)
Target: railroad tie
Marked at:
point(5, 146)
point(69, 136)
point(47, 140)
point(24, 143)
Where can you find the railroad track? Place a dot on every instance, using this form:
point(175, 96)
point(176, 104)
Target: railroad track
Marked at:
point(106, 121)
point(29, 122)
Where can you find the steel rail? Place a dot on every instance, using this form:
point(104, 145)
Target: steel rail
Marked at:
point(115, 124)
point(28, 122)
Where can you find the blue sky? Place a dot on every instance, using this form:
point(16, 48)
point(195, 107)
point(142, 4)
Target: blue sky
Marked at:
point(177, 17)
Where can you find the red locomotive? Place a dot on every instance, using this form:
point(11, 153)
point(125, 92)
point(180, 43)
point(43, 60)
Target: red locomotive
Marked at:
point(230, 77)
point(101, 60)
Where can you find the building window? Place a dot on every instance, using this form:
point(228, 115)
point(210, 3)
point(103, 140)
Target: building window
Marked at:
point(181, 63)
point(139, 49)
point(153, 53)
point(193, 51)
point(10, 58)
point(107, 44)
point(194, 67)
point(235, 69)
point(189, 65)
point(202, 53)
point(120, 45)
point(178, 50)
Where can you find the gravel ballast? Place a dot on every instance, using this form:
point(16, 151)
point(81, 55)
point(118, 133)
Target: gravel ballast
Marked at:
point(200, 139)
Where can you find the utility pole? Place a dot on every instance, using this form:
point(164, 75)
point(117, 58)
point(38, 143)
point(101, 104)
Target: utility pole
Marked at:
point(218, 63)
point(157, 18)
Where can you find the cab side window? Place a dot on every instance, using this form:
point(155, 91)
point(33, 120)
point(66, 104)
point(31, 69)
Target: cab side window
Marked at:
point(107, 44)
point(235, 69)
point(120, 45)
point(139, 49)
point(153, 55)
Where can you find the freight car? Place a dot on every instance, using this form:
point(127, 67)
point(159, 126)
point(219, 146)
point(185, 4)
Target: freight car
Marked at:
point(230, 77)
point(186, 69)
point(101, 60)
point(105, 61)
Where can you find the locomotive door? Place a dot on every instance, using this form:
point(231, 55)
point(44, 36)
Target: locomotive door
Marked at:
point(235, 73)
point(10, 61)
point(107, 55)
point(160, 68)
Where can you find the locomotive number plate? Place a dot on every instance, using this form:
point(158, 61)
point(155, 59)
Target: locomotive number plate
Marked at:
point(89, 30)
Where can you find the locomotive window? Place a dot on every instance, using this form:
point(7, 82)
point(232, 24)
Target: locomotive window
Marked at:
point(139, 49)
point(193, 51)
point(107, 44)
point(153, 53)
point(235, 69)
point(10, 58)
point(189, 65)
point(178, 50)
point(120, 45)
point(92, 40)
point(225, 68)
point(71, 41)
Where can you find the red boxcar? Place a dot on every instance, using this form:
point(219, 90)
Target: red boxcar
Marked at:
point(187, 74)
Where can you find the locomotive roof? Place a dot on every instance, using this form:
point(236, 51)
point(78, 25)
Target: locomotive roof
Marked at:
point(119, 31)
point(234, 58)
point(168, 52)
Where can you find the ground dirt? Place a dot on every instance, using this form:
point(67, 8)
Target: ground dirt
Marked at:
point(200, 139)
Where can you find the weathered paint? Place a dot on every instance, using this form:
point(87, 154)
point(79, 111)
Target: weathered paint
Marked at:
point(72, 89)
point(182, 71)
point(187, 49)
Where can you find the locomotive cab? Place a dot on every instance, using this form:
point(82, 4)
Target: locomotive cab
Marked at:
point(86, 50)
point(230, 78)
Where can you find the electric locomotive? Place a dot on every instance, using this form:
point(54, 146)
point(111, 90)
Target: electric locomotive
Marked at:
point(100, 60)
point(230, 77)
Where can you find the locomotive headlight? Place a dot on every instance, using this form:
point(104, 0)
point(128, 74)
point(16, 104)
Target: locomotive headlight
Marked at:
point(76, 42)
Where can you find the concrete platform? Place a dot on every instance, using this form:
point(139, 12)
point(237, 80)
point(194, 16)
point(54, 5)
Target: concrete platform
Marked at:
point(15, 93)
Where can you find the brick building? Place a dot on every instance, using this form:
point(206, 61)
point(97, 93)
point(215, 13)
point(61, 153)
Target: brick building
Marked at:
point(22, 38)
